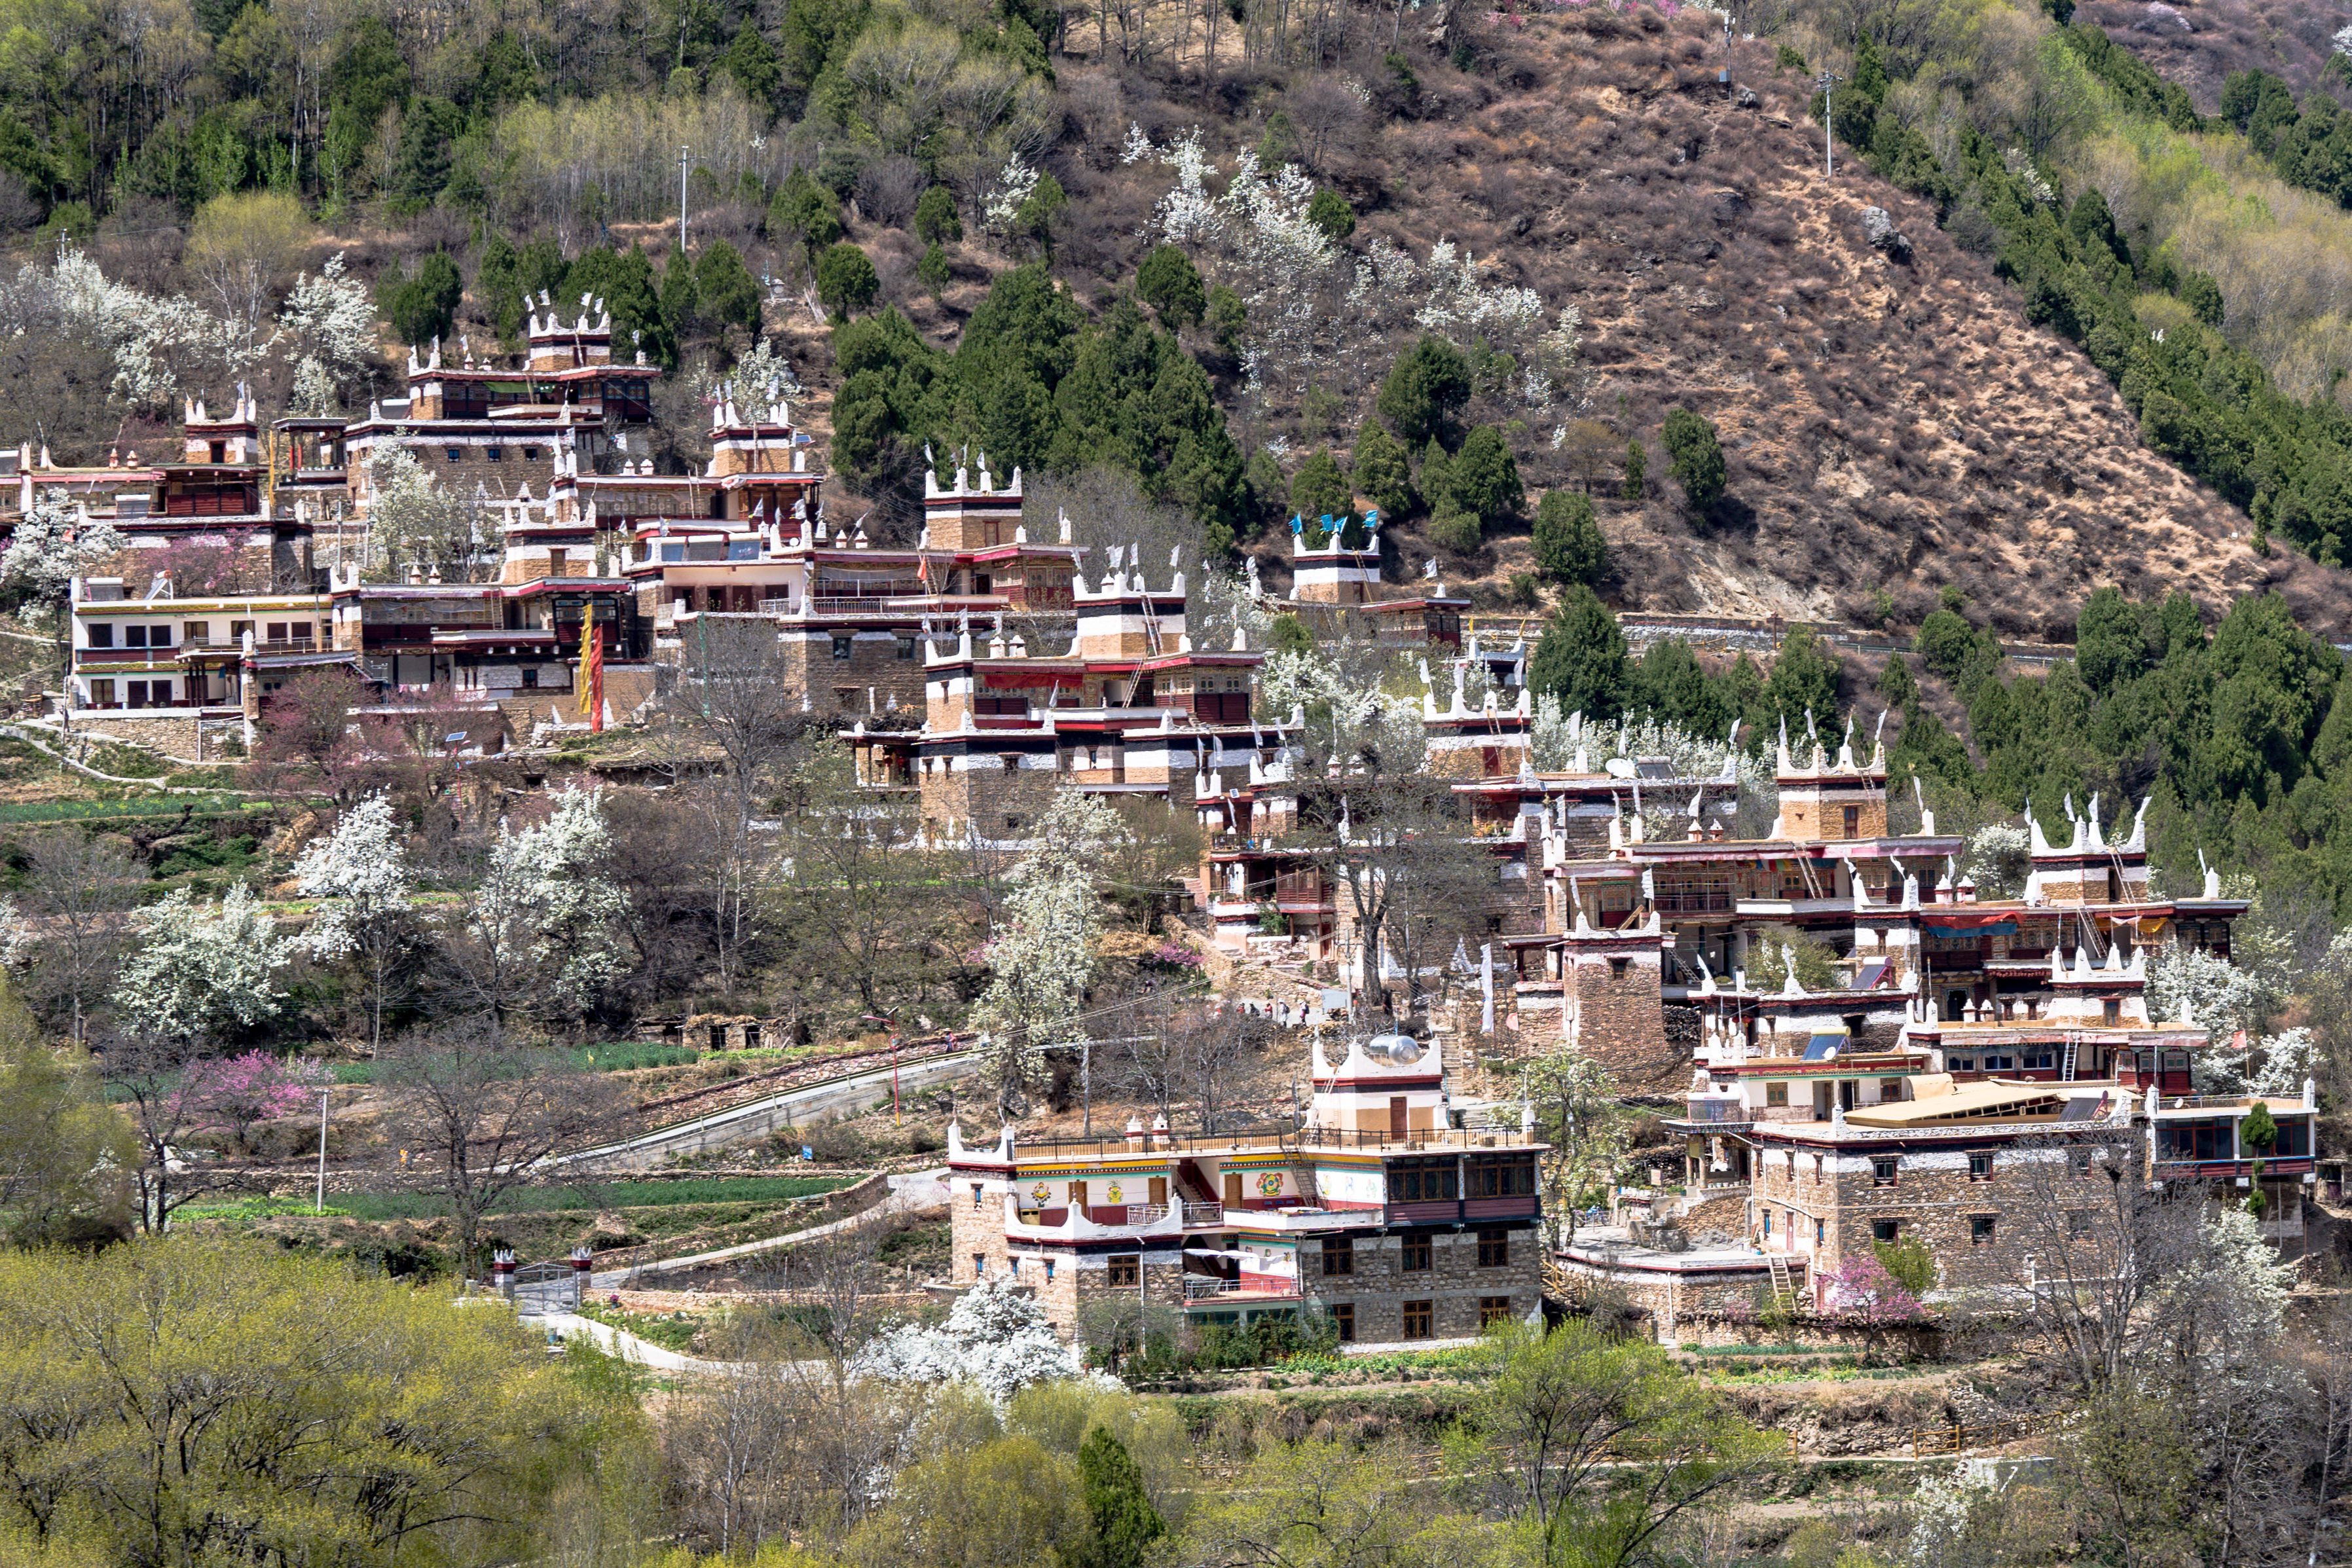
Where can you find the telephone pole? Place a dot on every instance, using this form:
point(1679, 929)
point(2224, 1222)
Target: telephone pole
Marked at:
point(1829, 80)
point(681, 198)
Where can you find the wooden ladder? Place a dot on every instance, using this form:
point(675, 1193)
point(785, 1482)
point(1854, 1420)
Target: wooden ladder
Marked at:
point(1784, 1288)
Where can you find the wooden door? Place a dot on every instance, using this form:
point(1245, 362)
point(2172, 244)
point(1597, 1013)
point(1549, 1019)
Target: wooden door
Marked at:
point(1159, 1191)
point(1232, 1189)
point(1078, 1195)
point(1396, 1116)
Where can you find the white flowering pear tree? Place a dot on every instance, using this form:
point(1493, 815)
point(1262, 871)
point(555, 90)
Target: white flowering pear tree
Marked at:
point(330, 319)
point(539, 928)
point(203, 969)
point(1316, 310)
point(1042, 956)
point(994, 1338)
point(360, 871)
point(412, 521)
point(2222, 998)
point(54, 543)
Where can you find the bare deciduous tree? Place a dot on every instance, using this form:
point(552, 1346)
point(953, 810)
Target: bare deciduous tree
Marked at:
point(79, 891)
point(727, 728)
point(493, 1115)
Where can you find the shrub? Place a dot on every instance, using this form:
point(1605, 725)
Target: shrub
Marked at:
point(846, 283)
point(1170, 284)
point(731, 295)
point(1330, 212)
point(932, 270)
point(1486, 478)
point(1228, 319)
point(1319, 490)
point(1425, 391)
point(1696, 457)
point(1637, 469)
point(1459, 531)
point(1521, 591)
point(807, 211)
point(1568, 541)
point(936, 219)
point(1383, 474)
point(421, 308)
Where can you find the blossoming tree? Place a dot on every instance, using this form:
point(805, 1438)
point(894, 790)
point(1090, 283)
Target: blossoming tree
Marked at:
point(361, 871)
point(1042, 954)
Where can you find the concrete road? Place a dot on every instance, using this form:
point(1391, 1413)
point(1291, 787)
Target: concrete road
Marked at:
point(757, 1118)
point(909, 1194)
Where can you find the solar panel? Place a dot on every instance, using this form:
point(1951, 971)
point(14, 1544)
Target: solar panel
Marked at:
point(1868, 976)
point(2080, 1110)
point(1822, 1047)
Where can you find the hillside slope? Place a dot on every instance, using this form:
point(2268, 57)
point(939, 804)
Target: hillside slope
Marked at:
point(2200, 44)
point(1889, 425)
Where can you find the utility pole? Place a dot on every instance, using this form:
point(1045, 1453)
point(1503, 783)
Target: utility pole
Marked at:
point(681, 198)
point(318, 1206)
point(1829, 80)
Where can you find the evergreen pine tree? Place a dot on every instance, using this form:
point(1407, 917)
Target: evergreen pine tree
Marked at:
point(1124, 1519)
point(1581, 658)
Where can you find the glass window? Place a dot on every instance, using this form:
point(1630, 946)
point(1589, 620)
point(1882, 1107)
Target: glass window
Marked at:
point(134, 636)
point(1493, 1310)
point(1343, 1318)
point(1418, 1319)
point(1883, 1169)
point(1884, 1229)
point(1494, 1249)
point(1126, 1268)
point(1980, 1167)
point(1980, 1230)
point(1339, 1256)
point(1416, 1254)
point(499, 455)
point(101, 634)
point(840, 647)
point(1776, 1094)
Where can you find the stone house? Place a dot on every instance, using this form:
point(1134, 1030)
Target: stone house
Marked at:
point(1403, 1230)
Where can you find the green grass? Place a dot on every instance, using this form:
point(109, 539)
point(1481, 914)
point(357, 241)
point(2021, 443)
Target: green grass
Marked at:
point(94, 811)
point(256, 1208)
point(385, 1206)
point(671, 1331)
point(613, 1056)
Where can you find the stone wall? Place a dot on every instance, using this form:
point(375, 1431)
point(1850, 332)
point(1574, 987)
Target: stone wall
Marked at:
point(1620, 1024)
point(177, 734)
point(1453, 1284)
point(862, 684)
point(1933, 1199)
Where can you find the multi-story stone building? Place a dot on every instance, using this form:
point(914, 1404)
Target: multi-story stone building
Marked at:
point(1401, 1228)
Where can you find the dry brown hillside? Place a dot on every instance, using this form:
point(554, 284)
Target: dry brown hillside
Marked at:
point(2200, 43)
point(1886, 424)
point(1889, 425)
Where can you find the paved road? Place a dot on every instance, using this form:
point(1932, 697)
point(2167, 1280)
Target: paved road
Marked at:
point(909, 1194)
point(759, 1118)
point(626, 1345)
